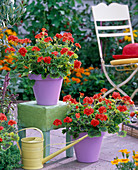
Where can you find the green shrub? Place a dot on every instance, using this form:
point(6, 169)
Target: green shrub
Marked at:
point(10, 159)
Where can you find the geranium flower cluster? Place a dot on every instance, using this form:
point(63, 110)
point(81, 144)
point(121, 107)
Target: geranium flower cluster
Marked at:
point(95, 114)
point(54, 56)
point(6, 134)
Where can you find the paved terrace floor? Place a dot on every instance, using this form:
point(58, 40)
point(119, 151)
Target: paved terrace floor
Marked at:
point(109, 150)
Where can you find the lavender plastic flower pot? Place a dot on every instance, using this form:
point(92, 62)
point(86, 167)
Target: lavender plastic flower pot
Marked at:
point(46, 91)
point(88, 150)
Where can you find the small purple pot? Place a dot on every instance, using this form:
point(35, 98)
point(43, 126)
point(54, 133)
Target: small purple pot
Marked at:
point(46, 91)
point(88, 150)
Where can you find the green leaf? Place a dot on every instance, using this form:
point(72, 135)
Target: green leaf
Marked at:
point(94, 133)
point(64, 131)
point(103, 129)
point(75, 135)
point(122, 133)
point(79, 1)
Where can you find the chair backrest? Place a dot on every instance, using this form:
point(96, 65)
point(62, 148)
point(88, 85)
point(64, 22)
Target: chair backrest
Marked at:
point(113, 12)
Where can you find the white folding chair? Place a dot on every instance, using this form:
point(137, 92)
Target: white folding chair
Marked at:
point(114, 12)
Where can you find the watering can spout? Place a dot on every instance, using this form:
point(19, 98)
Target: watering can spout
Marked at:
point(62, 150)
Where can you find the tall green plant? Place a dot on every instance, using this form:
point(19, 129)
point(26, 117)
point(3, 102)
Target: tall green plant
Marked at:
point(10, 13)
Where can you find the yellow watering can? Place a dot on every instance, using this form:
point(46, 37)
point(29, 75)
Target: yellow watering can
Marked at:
point(32, 150)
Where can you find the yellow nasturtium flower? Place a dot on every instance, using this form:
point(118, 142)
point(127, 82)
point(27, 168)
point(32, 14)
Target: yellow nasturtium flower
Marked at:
point(128, 38)
point(115, 162)
point(126, 160)
point(123, 150)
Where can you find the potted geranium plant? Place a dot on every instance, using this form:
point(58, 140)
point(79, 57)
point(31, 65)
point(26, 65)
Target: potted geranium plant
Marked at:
point(50, 60)
point(94, 116)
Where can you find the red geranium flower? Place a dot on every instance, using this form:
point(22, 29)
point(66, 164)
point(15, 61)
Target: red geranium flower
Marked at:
point(73, 101)
point(95, 122)
point(40, 59)
point(35, 48)
point(131, 102)
point(1, 139)
point(81, 94)
point(78, 45)
point(77, 115)
point(103, 117)
point(103, 90)
point(97, 96)
point(109, 107)
point(102, 109)
point(88, 111)
point(1, 127)
point(26, 67)
point(55, 53)
point(13, 38)
point(88, 100)
point(57, 122)
point(122, 108)
point(77, 107)
point(64, 50)
point(64, 39)
point(48, 39)
point(100, 100)
point(47, 60)
point(59, 36)
point(107, 101)
point(9, 50)
point(116, 95)
point(97, 116)
point(67, 120)
point(77, 64)
point(43, 29)
point(132, 114)
point(3, 117)
point(26, 40)
point(22, 51)
point(12, 122)
point(38, 36)
point(71, 39)
point(70, 53)
point(66, 98)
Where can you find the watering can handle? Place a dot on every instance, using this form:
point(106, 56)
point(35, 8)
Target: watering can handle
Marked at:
point(26, 129)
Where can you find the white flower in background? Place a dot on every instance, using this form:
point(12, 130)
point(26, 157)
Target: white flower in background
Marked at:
point(12, 1)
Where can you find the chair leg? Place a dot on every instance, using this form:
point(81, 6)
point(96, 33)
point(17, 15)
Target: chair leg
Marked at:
point(134, 93)
point(117, 87)
point(69, 152)
point(46, 142)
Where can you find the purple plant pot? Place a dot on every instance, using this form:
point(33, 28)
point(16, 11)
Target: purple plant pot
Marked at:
point(88, 150)
point(46, 91)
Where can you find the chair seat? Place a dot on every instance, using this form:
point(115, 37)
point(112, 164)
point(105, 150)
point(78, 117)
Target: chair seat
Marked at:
point(124, 61)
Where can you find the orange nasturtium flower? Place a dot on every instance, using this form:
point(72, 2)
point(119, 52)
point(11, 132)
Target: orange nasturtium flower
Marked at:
point(78, 75)
point(87, 73)
point(67, 80)
point(76, 79)
point(136, 163)
point(85, 80)
point(91, 68)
